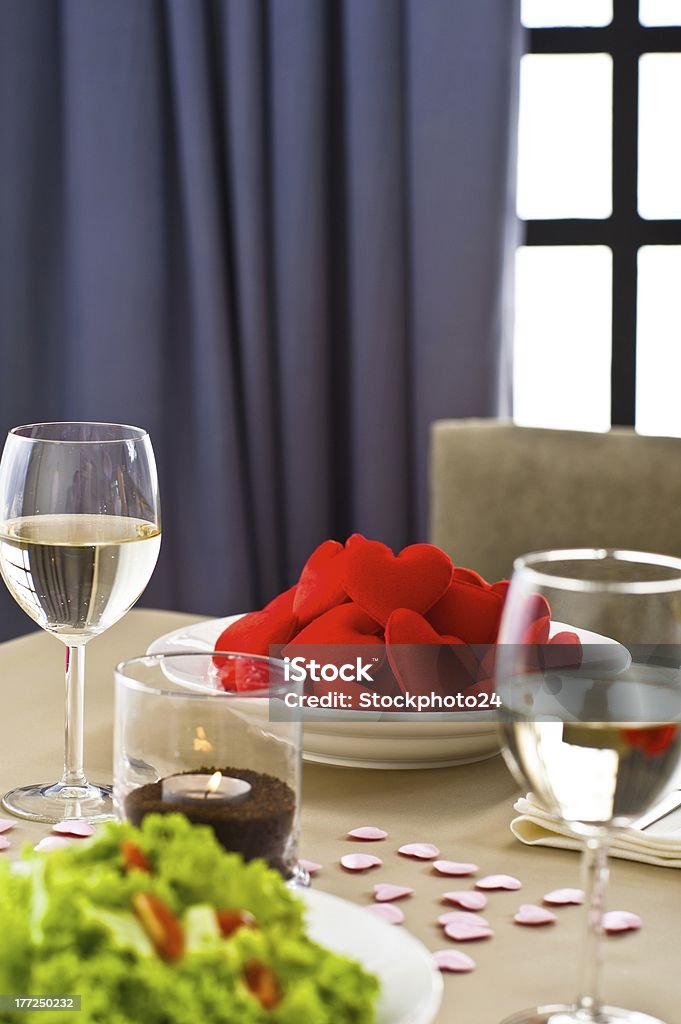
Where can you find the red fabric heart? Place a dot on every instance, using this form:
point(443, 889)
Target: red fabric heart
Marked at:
point(566, 637)
point(345, 624)
point(244, 674)
point(501, 588)
point(255, 633)
point(320, 586)
point(379, 582)
point(423, 660)
point(562, 651)
point(538, 617)
point(469, 576)
point(408, 627)
point(467, 611)
point(339, 637)
point(413, 647)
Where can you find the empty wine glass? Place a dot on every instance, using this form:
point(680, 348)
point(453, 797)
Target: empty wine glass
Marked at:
point(592, 720)
point(80, 533)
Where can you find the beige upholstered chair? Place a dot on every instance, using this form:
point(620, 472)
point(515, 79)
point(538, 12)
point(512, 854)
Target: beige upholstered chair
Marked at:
point(498, 490)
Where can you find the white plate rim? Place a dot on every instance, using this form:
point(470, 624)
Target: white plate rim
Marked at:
point(201, 636)
point(373, 940)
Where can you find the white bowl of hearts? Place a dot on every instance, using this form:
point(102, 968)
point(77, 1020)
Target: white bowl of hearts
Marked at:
point(397, 652)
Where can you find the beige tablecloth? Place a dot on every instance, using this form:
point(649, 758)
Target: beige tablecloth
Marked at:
point(465, 811)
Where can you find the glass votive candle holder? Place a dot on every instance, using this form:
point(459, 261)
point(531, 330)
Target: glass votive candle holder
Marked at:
point(186, 741)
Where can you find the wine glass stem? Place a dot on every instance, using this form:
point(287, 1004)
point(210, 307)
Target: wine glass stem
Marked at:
point(595, 868)
point(75, 696)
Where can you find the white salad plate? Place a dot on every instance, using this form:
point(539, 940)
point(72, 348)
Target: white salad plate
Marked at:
point(385, 740)
point(411, 984)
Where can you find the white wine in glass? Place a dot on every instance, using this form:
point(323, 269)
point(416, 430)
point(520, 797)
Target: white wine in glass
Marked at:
point(80, 534)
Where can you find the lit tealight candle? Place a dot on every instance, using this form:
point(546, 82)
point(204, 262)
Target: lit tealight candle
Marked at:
point(203, 789)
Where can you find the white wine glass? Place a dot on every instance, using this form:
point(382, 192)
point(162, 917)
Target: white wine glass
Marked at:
point(593, 728)
point(80, 533)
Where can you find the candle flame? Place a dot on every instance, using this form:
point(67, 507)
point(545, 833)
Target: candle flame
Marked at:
point(213, 784)
point(201, 741)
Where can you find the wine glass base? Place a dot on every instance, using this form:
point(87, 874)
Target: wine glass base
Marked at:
point(53, 803)
point(572, 1015)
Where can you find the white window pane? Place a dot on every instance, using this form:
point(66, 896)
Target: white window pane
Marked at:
point(564, 136)
point(562, 345)
point(659, 136)
point(658, 344)
point(659, 12)
point(554, 13)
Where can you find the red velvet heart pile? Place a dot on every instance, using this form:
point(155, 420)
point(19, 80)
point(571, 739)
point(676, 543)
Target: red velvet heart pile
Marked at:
point(427, 615)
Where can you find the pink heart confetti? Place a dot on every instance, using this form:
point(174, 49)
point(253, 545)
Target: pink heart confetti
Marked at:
point(310, 866)
point(6, 824)
point(498, 882)
point(528, 913)
point(51, 843)
point(453, 867)
point(369, 833)
point(384, 892)
point(460, 932)
point(4, 843)
point(462, 917)
point(389, 912)
point(468, 900)
point(454, 960)
point(621, 921)
point(74, 827)
point(422, 851)
point(562, 897)
point(360, 861)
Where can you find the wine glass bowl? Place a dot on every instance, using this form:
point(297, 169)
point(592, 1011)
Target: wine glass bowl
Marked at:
point(597, 742)
point(80, 534)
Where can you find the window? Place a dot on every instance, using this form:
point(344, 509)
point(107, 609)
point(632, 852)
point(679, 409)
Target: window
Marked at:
point(598, 279)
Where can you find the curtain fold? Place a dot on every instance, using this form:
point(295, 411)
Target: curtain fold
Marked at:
point(379, 265)
point(274, 232)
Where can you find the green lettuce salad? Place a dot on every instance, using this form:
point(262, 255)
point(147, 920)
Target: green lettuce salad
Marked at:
point(160, 925)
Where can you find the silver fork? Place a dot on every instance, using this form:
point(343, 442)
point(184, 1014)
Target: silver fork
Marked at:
point(669, 803)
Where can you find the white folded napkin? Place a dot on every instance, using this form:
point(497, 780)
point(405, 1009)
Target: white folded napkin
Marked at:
point(660, 844)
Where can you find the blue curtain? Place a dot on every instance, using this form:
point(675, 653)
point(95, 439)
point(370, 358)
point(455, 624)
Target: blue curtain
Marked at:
point(275, 233)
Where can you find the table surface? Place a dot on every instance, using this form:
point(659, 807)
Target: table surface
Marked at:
point(464, 810)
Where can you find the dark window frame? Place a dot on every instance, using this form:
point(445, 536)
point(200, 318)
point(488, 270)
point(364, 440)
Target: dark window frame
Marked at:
point(624, 231)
